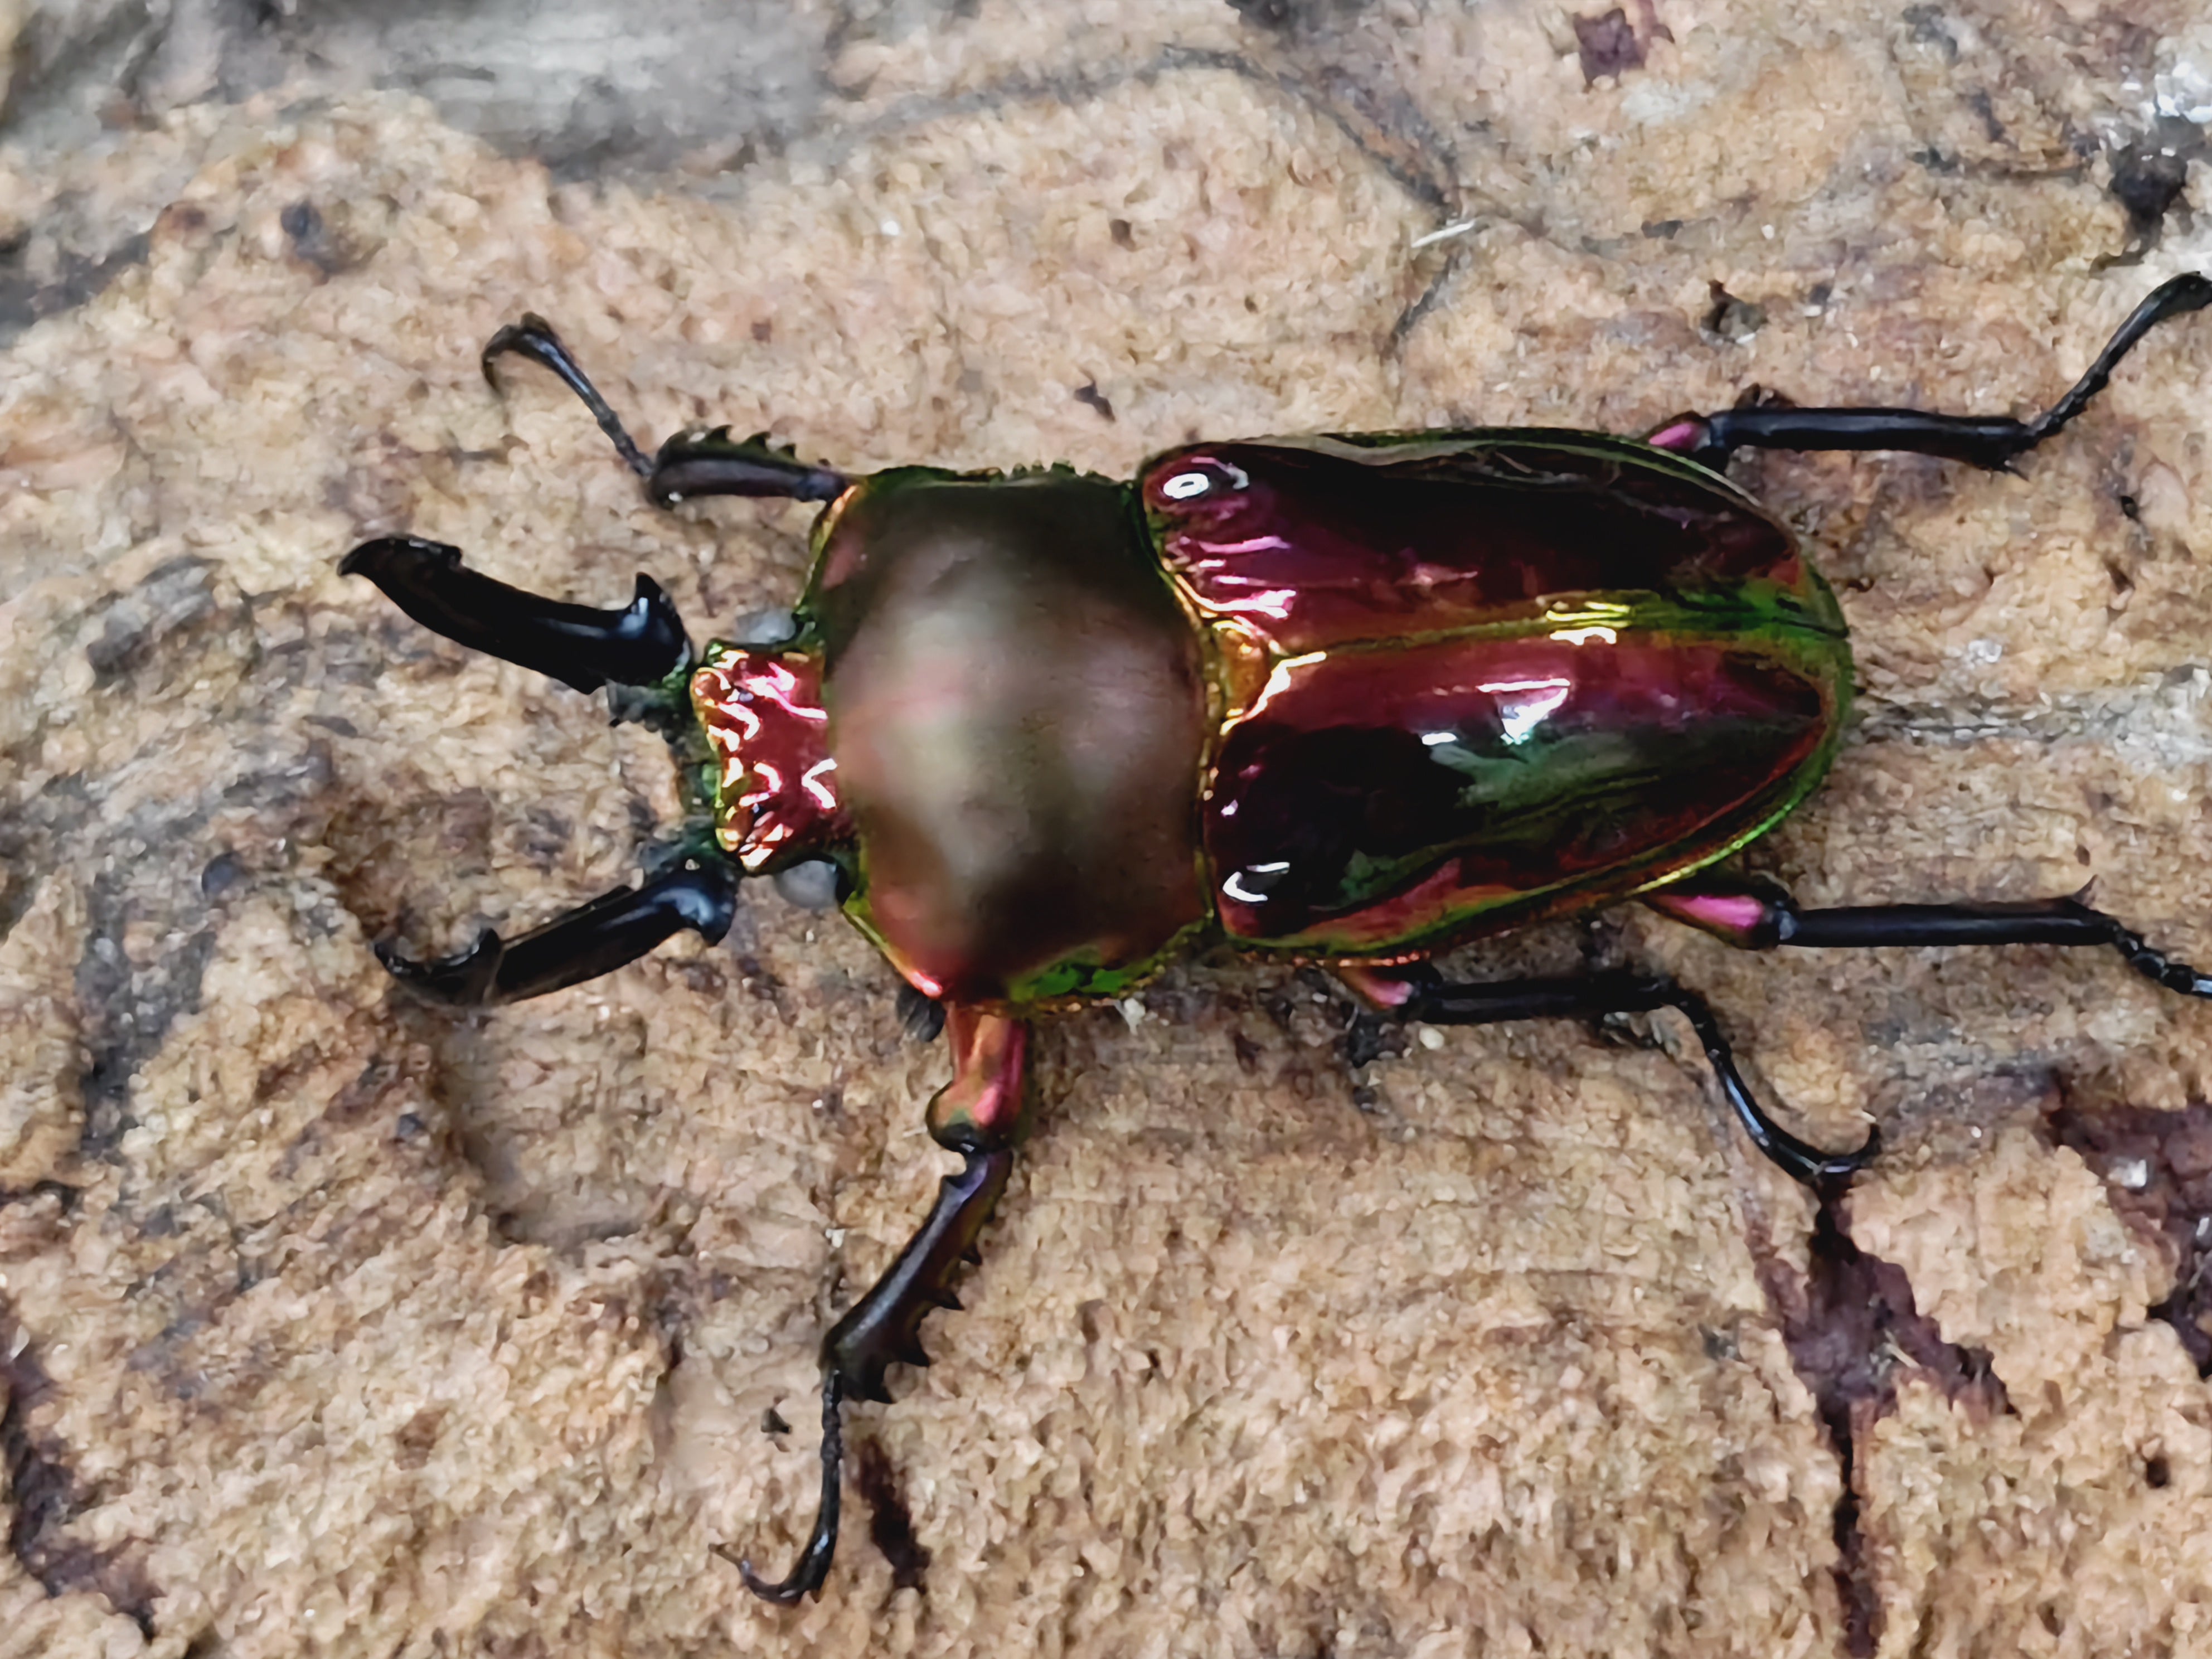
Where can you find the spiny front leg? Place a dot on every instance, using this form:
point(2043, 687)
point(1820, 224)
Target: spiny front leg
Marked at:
point(533, 337)
point(692, 463)
point(975, 1115)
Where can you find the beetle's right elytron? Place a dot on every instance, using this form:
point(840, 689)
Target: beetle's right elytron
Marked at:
point(1350, 701)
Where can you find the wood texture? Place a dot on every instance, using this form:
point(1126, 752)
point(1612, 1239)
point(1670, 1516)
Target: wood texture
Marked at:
point(334, 1325)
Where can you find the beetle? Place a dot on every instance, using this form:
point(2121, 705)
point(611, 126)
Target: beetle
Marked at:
point(1347, 701)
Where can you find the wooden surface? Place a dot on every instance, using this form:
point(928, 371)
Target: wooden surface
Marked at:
point(337, 1325)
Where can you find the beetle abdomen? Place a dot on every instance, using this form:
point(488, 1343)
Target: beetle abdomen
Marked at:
point(1017, 710)
point(1474, 678)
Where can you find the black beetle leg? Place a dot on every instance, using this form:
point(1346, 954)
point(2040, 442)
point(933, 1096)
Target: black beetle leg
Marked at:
point(1991, 443)
point(533, 337)
point(811, 1570)
point(711, 462)
point(976, 1116)
point(640, 644)
point(882, 1327)
point(581, 944)
point(1439, 1004)
point(696, 463)
point(1759, 916)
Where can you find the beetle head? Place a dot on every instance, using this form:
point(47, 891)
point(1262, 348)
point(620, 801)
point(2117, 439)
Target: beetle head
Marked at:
point(777, 801)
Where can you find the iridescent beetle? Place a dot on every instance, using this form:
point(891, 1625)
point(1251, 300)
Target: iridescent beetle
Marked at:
point(1344, 701)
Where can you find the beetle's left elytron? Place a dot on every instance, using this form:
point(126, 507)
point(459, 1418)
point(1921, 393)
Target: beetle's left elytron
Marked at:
point(1350, 701)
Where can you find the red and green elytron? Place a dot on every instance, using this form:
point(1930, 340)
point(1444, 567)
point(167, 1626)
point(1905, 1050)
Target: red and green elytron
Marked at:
point(1344, 701)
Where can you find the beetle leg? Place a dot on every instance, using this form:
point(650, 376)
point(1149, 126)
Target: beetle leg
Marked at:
point(1993, 443)
point(982, 1104)
point(1384, 989)
point(581, 944)
point(696, 463)
point(1759, 917)
point(711, 462)
point(975, 1115)
point(642, 644)
point(533, 337)
point(1437, 1003)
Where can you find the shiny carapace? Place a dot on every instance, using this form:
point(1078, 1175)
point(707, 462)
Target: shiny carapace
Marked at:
point(1342, 700)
